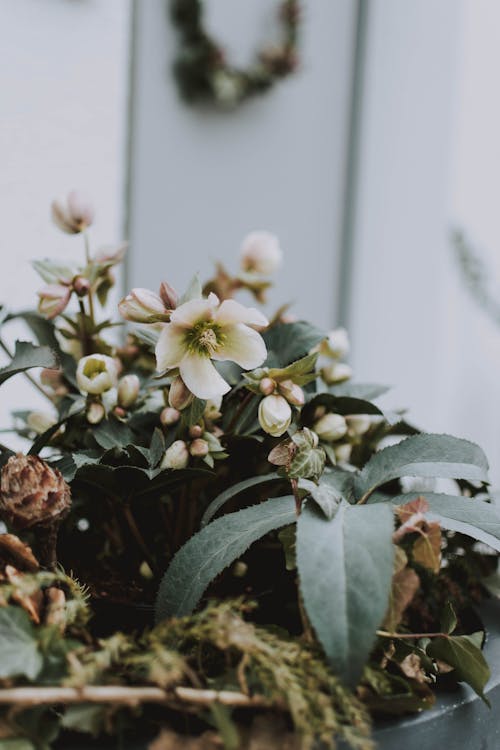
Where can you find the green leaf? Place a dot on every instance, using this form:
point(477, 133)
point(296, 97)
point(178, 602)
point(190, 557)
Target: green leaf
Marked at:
point(193, 291)
point(471, 516)
point(193, 413)
point(52, 271)
point(463, 653)
point(19, 652)
point(448, 619)
point(290, 341)
point(325, 496)
point(27, 356)
point(44, 330)
point(234, 490)
point(307, 462)
point(345, 569)
point(212, 549)
point(85, 717)
point(425, 455)
point(111, 433)
point(366, 391)
point(157, 447)
point(344, 404)
point(340, 480)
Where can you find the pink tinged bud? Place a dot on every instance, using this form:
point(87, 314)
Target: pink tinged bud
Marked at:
point(81, 285)
point(74, 216)
point(169, 416)
point(120, 412)
point(128, 390)
point(358, 424)
point(336, 373)
point(199, 448)
point(275, 415)
point(292, 392)
point(179, 395)
point(54, 299)
point(196, 431)
point(143, 306)
point(336, 344)
point(267, 386)
point(95, 412)
point(96, 374)
point(261, 253)
point(169, 296)
point(176, 456)
point(330, 427)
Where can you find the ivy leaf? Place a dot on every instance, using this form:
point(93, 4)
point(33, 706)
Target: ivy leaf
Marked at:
point(19, 652)
point(212, 549)
point(425, 455)
point(27, 356)
point(463, 653)
point(290, 341)
point(345, 569)
point(234, 490)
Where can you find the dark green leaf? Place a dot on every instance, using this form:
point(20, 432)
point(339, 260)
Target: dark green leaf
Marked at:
point(345, 569)
point(463, 653)
point(27, 356)
point(234, 490)
point(366, 391)
point(212, 549)
point(448, 619)
point(290, 341)
point(424, 455)
point(324, 495)
point(157, 447)
point(112, 433)
point(192, 414)
point(44, 330)
point(19, 652)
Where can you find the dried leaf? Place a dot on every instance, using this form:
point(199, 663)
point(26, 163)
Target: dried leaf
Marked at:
point(427, 548)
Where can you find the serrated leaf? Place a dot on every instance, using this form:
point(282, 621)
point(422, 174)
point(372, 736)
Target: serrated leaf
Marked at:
point(111, 433)
point(212, 549)
point(234, 490)
point(27, 356)
point(288, 342)
point(345, 569)
point(463, 653)
point(473, 517)
point(425, 455)
point(19, 652)
point(44, 330)
point(326, 497)
point(340, 480)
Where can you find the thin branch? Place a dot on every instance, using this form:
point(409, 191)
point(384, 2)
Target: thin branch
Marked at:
point(385, 634)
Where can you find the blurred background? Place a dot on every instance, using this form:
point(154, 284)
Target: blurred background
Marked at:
point(364, 161)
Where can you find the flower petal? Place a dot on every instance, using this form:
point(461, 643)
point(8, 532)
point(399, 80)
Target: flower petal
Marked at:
point(231, 312)
point(191, 312)
point(242, 345)
point(170, 348)
point(202, 378)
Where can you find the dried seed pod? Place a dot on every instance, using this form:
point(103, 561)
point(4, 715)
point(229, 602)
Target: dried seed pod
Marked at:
point(32, 493)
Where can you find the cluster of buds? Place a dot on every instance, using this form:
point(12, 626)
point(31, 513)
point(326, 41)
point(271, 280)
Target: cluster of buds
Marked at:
point(199, 444)
point(335, 347)
point(275, 409)
point(339, 433)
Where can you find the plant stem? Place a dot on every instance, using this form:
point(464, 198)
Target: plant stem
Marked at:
point(386, 634)
point(89, 295)
point(32, 380)
point(298, 499)
point(129, 517)
point(239, 410)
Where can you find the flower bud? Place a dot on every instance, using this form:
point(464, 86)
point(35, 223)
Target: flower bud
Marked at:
point(74, 216)
point(267, 386)
point(196, 431)
point(96, 374)
point(336, 373)
point(275, 415)
point(81, 285)
point(261, 253)
point(343, 453)
point(176, 456)
point(119, 412)
point(358, 424)
point(292, 392)
point(168, 296)
point(128, 390)
point(199, 448)
point(54, 299)
point(143, 306)
point(336, 344)
point(330, 427)
point(95, 412)
point(169, 416)
point(40, 421)
point(179, 395)
point(212, 409)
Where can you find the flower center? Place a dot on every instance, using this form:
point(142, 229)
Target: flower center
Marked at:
point(93, 368)
point(205, 337)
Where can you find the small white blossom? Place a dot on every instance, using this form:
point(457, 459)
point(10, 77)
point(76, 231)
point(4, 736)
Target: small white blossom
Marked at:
point(261, 253)
point(203, 330)
point(330, 427)
point(275, 415)
point(336, 373)
point(336, 345)
point(96, 374)
point(128, 390)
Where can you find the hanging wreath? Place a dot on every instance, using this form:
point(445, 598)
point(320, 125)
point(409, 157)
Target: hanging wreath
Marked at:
point(204, 74)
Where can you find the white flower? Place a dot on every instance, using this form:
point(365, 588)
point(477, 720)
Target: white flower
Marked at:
point(336, 344)
point(74, 216)
point(128, 390)
point(330, 427)
point(202, 330)
point(275, 415)
point(337, 372)
point(142, 306)
point(261, 253)
point(96, 374)
point(176, 456)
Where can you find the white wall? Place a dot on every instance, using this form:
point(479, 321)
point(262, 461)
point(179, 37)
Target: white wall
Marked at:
point(63, 82)
point(202, 179)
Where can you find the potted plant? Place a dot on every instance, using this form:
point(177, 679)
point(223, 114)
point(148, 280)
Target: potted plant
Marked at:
point(211, 538)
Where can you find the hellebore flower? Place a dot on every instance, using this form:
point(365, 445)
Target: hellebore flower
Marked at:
point(203, 330)
point(142, 306)
point(96, 374)
point(275, 415)
point(261, 253)
point(74, 216)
